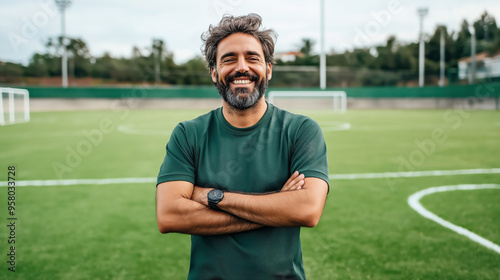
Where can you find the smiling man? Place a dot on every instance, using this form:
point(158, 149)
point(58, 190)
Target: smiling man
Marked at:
point(242, 179)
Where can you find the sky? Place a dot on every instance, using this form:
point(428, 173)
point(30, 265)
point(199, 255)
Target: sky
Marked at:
point(116, 26)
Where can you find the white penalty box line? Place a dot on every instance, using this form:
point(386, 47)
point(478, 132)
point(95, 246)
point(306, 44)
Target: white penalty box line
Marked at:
point(110, 181)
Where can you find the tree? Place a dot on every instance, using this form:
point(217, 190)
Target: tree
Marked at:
point(485, 27)
point(194, 72)
point(495, 46)
point(433, 49)
point(360, 58)
point(307, 46)
point(79, 57)
point(38, 66)
point(385, 55)
point(337, 59)
point(104, 67)
point(462, 41)
point(49, 63)
point(10, 72)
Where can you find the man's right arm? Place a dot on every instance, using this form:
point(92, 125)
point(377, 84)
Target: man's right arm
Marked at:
point(176, 212)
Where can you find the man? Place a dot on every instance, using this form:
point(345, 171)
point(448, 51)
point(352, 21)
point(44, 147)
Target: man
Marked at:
point(245, 177)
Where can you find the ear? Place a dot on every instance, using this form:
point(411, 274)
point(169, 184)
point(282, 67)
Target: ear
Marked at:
point(269, 71)
point(213, 73)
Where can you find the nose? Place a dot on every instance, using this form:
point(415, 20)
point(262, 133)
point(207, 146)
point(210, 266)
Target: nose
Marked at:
point(242, 65)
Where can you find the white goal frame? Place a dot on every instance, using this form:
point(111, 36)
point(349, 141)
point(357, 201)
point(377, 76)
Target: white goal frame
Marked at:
point(339, 97)
point(11, 92)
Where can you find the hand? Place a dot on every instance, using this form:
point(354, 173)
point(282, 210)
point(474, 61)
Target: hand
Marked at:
point(200, 195)
point(295, 182)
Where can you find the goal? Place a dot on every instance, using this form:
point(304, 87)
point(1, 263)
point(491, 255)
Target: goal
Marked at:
point(14, 106)
point(335, 100)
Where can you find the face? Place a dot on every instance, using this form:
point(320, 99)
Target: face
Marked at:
point(241, 73)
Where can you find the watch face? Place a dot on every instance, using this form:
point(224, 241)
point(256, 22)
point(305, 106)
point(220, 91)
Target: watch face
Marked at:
point(215, 195)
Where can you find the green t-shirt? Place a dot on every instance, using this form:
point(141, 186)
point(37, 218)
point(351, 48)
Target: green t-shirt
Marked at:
point(209, 152)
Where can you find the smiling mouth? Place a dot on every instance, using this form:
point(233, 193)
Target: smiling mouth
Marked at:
point(241, 82)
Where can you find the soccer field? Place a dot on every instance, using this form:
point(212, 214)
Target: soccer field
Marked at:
point(106, 229)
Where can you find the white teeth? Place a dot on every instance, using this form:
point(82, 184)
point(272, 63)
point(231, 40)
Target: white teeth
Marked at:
point(241, 81)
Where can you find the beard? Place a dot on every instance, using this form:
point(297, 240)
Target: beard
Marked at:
point(235, 99)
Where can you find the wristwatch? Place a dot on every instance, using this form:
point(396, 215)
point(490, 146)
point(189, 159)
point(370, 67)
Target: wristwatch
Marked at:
point(214, 197)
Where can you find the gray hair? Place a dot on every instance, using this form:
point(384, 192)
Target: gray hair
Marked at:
point(249, 24)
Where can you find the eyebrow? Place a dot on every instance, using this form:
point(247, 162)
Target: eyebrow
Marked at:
point(234, 54)
point(227, 55)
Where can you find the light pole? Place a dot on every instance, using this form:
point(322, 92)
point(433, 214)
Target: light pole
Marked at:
point(441, 61)
point(472, 72)
point(322, 57)
point(422, 12)
point(63, 4)
point(157, 49)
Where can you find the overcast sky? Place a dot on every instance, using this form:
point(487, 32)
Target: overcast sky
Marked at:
point(116, 26)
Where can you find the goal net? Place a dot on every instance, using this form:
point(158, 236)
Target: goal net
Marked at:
point(335, 100)
point(14, 106)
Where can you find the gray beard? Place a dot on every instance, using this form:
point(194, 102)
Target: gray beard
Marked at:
point(238, 102)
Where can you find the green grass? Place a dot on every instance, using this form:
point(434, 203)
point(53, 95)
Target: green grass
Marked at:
point(367, 231)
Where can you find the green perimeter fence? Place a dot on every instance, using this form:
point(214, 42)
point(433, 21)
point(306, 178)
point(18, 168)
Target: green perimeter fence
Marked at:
point(481, 91)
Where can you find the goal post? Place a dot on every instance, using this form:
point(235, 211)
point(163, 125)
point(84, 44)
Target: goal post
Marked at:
point(338, 97)
point(14, 106)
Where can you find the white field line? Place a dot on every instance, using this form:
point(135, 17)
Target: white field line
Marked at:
point(413, 174)
point(335, 126)
point(127, 129)
point(414, 202)
point(70, 182)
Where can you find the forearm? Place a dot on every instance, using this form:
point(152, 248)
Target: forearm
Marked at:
point(295, 206)
point(283, 209)
point(197, 219)
point(177, 212)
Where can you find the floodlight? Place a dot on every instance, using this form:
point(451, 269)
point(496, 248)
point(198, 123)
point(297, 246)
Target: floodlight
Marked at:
point(63, 4)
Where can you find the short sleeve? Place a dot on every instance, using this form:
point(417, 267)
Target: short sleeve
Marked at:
point(309, 154)
point(179, 164)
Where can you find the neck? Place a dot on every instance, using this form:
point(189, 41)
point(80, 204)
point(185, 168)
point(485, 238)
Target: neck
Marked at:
point(244, 118)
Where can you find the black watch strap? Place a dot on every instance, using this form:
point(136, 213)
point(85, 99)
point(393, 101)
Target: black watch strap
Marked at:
point(213, 205)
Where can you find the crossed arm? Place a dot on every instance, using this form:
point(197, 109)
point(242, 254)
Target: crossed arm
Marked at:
point(183, 207)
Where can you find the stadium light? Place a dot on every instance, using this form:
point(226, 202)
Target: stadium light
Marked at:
point(157, 48)
point(441, 56)
point(63, 4)
point(322, 57)
point(472, 72)
point(422, 12)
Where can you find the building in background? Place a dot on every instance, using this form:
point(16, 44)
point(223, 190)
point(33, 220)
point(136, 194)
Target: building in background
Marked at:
point(487, 66)
point(289, 56)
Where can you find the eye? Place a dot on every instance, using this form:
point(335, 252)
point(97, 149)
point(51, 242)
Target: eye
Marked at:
point(226, 60)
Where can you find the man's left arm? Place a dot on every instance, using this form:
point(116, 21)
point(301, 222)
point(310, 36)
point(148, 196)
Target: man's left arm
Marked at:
point(288, 208)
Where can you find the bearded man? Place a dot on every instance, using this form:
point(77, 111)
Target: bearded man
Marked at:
point(244, 178)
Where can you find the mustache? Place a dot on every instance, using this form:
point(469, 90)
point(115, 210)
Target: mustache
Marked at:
point(230, 78)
